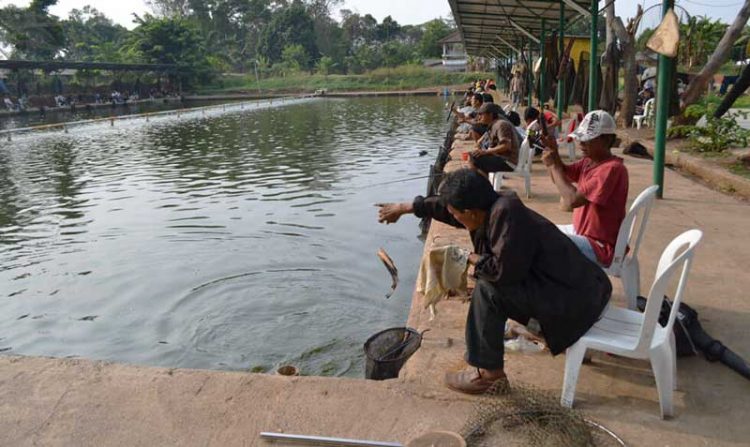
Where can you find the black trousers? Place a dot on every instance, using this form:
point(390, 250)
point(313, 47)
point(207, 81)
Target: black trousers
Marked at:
point(490, 308)
point(491, 163)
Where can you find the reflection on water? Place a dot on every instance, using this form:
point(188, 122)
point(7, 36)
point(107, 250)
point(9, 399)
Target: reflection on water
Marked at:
point(233, 242)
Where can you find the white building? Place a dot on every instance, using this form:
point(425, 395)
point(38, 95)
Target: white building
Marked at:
point(454, 53)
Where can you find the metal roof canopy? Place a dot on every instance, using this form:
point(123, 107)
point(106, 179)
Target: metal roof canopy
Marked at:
point(504, 23)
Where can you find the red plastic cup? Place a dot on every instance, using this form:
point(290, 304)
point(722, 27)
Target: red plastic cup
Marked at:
point(465, 156)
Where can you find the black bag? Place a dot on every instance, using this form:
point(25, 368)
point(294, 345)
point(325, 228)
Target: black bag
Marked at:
point(686, 316)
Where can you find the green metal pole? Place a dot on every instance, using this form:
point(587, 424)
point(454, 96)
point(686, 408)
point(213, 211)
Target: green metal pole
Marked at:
point(530, 77)
point(664, 81)
point(542, 73)
point(594, 55)
point(560, 98)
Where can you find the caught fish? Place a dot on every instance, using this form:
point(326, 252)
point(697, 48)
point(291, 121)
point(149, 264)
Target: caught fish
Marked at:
point(388, 263)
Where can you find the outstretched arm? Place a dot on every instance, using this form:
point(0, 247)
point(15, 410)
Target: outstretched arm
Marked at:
point(433, 207)
point(551, 158)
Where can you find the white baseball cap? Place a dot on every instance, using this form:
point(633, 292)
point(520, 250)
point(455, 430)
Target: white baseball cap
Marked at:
point(594, 124)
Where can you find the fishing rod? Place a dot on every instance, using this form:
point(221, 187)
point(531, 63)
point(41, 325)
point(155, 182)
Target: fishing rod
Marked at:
point(407, 179)
point(450, 112)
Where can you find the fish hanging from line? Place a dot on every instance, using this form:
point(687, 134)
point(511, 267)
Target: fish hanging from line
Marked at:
point(388, 263)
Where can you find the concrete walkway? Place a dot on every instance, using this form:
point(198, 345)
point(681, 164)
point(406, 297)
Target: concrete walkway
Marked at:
point(711, 400)
point(83, 403)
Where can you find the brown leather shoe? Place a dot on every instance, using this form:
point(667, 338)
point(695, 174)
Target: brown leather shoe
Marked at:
point(471, 381)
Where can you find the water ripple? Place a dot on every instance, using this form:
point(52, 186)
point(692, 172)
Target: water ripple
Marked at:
point(231, 241)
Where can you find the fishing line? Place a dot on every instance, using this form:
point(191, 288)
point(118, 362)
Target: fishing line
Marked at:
point(407, 179)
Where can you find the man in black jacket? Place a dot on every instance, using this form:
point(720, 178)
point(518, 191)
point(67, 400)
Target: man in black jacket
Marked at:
point(524, 266)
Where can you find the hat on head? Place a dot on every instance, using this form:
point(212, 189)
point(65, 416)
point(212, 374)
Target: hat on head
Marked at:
point(594, 124)
point(491, 107)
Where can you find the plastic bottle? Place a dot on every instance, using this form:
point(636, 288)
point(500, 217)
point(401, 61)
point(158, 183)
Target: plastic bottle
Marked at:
point(522, 344)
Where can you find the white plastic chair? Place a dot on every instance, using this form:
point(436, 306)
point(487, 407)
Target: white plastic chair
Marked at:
point(648, 114)
point(625, 261)
point(522, 169)
point(632, 334)
point(567, 143)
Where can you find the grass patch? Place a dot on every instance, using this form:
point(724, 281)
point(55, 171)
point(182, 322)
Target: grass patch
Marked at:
point(408, 77)
point(740, 168)
point(743, 102)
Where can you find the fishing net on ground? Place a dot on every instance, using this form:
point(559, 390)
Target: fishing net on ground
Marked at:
point(522, 415)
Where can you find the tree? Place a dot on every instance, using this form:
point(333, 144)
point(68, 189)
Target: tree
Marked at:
point(434, 31)
point(325, 65)
point(289, 26)
point(295, 57)
point(87, 31)
point(700, 35)
point(170, 8)
point(171, 41)
point(32, 32)
point(358, 30)
point(388, 30)
point(720, 55)
point(629, 46)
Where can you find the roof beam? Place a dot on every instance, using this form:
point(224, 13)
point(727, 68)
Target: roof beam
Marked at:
point(581, 10)
point(498, 51)
point(523, 30)
point(512, 47)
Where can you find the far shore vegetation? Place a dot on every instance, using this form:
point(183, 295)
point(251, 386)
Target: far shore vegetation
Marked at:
point(404, 77)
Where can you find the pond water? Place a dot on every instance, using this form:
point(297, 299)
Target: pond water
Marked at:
point(239, 241)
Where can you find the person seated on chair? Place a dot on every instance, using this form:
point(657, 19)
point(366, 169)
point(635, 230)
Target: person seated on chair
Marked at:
point(467, 115)
point(525, 268)
point(498, 148)
point(595, 187)
point(531, 118)
point(515, 119)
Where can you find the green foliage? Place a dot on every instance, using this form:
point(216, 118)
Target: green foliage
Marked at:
point(171, 41)
point(91, 36)
point(289, 26)
point(225, 35)
point(295, 57)
point(405, 77)
point(700, 36)
point(31, 33)
point(434, 31)
point(325, 65)
point(715, 136)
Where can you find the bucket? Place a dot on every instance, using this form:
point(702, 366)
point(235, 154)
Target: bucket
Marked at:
point(388, 350)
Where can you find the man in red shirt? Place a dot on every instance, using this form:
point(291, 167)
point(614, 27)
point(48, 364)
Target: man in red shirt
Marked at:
point(595, 187)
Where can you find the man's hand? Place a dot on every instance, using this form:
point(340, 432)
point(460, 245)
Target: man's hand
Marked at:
point(551, 158)
point(477, 153)
point(549, 142)
point(391, 212)
point(474, 258)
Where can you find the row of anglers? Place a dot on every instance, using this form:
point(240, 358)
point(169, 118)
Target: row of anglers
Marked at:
point(525, 266)
point(528, 268)
point(23, 104)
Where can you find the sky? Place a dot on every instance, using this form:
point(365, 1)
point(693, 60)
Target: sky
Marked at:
point(406, 12)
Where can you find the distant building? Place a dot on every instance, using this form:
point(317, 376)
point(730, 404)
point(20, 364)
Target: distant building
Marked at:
point(454, 54)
